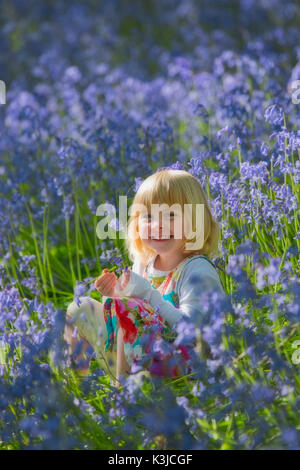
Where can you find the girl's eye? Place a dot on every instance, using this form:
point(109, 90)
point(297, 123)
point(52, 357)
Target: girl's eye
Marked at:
point(170, 215)
point(148, 216)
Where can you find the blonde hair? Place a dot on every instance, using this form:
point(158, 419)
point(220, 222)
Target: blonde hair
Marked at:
point(171, 187)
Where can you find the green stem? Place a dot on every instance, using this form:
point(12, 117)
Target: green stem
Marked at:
point(79, 223)
point(13, 269)
point(67, 224)
point(96, 241)
point(77, 241)
point(46, 254)
point(37, 251)
point(239, 153)
point(208, 189)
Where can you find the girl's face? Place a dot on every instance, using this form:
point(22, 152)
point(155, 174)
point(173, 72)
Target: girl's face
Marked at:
point(162, 231)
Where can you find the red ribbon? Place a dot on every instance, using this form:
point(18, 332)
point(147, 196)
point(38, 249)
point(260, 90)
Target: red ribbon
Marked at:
point(129, 328)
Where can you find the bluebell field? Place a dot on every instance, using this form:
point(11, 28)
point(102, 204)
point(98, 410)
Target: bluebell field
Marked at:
point(99, 96)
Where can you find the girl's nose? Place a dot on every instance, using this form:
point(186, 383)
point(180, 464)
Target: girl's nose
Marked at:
point(157, 227)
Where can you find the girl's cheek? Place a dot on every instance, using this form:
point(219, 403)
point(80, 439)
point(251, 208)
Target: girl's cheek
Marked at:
point(177, 228)
point(144, 231)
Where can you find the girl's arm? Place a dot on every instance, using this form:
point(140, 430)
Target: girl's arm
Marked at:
point(188, 292)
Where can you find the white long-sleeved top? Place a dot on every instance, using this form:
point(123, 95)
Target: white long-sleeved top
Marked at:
point(188, 293)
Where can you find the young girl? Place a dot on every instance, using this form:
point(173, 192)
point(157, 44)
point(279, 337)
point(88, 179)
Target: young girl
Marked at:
point(158, 288)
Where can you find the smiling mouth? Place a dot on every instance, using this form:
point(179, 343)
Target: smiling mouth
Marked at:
point(163, 239)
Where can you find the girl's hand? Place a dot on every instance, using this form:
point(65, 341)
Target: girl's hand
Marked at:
point(105, 284)
point(109, 285)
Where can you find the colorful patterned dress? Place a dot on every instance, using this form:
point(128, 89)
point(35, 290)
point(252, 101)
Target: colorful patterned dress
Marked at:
point(136, 315)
